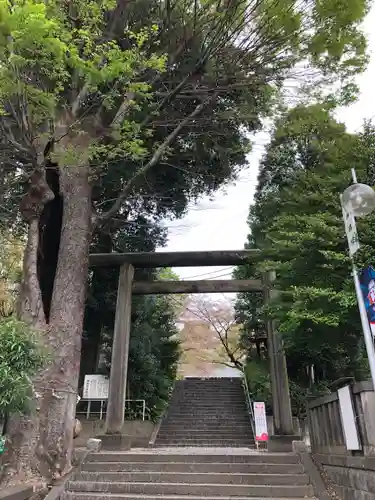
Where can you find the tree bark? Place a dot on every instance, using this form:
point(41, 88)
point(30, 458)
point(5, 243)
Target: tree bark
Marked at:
point(20, 462)
point(67, 313)
point(40, 446)
point(30, 306)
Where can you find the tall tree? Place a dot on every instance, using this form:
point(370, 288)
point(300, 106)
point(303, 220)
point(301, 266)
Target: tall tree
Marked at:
point(296, 221)
point(76, 79)
point(219, 317)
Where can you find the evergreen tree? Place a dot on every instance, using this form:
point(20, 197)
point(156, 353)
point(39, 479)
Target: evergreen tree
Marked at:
point(296, 221)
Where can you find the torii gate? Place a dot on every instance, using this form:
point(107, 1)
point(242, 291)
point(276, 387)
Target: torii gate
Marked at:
point(282, 415)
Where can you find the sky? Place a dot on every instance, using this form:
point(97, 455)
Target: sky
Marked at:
point(220, 223)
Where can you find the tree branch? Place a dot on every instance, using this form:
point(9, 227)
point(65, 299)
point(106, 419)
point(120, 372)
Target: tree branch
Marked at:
point(151, 163)
point(120, 114)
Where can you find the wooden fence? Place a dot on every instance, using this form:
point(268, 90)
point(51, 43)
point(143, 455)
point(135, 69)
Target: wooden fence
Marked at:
point(326, 431)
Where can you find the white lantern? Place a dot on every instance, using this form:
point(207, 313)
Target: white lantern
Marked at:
point(361, 198)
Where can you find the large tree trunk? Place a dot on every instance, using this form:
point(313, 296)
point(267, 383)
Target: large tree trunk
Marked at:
point(41, 445)
point(66, 315)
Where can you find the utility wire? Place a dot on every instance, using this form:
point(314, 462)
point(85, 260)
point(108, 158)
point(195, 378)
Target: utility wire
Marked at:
point(207, 274)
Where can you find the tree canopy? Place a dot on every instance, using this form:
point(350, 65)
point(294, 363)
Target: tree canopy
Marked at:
point(296, 221)
point(101, 102)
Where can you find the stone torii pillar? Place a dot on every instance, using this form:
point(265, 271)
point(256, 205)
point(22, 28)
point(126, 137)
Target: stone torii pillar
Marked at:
point(283, 436)
point(120, 353)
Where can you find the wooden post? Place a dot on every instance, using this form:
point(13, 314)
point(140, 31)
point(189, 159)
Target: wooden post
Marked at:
point(271, 327)
point(120, 352)
point(282, 412)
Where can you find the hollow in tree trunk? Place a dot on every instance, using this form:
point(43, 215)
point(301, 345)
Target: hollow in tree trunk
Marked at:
point(53, 301)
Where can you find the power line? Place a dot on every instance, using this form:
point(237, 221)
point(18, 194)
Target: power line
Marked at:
point(208, 274)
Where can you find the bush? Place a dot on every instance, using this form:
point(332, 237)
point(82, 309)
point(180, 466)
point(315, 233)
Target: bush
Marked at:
point(20, 358)
point(259, 381)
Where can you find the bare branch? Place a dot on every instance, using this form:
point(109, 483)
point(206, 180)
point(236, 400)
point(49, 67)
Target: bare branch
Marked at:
point(10, 136)
point(222, 321)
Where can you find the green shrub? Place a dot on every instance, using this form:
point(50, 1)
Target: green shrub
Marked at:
point(20, 358)
point(259, 381)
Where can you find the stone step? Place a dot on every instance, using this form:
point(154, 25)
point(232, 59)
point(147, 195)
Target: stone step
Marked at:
point(210, 392)
point(211, 411)
point(204, 444)
point(214, 395)
point(230, 418)
point(183, 436)
point(207, 402)
point(188, 380)
point(209, 389)
point(193, 458)
point(213, 404)
point(211, 439)
point(135, 496)
point(200, 406)
point(209, 396)
point(199, 489)
point(195, 478)
point(199, 421)
point(222, 430)
point(210, 425)
point(228, 408)
point(238, 468)
point(223, 386)
point(204, 435)
point(215, 391)
point(212, 417)
point(207, 428)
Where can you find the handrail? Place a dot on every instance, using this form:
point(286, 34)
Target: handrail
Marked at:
point(248, 401)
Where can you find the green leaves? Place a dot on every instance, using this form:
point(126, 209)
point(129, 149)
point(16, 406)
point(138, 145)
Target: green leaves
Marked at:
point(297, 223)
point(58, 58)
point(337, 44)
point(55, 58)
point(20, 358)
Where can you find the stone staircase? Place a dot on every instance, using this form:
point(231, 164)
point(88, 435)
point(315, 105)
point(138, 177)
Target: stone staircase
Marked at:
point(207, 412)
point(208, 475)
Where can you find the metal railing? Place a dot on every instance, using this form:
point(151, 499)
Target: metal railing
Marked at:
point(248, 401)
point(130, 413)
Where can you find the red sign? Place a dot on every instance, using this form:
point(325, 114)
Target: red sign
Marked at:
point(261, 432)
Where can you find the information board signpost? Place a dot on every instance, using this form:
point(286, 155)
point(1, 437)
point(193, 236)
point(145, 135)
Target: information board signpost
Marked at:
point(261, 431)
point(95, 387)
